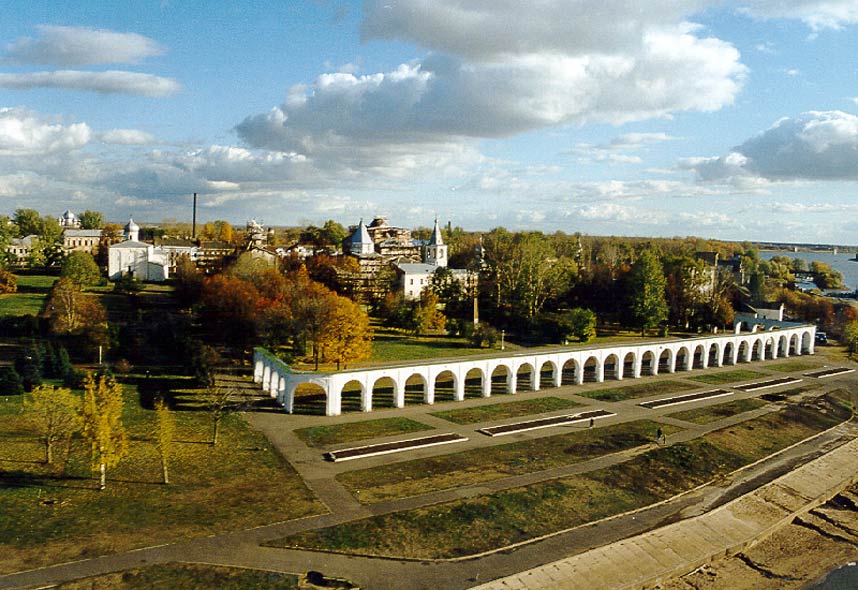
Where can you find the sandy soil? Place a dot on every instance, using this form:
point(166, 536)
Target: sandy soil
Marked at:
point(797, 556)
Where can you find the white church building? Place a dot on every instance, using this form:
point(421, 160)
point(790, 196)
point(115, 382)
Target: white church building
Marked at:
point(141, 260)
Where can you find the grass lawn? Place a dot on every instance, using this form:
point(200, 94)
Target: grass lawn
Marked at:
point(50, 514)
point(506, 410)
point(420, 476)
point(320, 436)
point(30, 298)
point(728, 377)
point(15, 304)
point(185, 576)
point(712, 413)
point(616, 394)
point(793, 366)
point(469, 526)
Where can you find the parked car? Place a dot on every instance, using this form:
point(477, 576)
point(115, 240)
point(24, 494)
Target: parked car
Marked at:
point(821, 338)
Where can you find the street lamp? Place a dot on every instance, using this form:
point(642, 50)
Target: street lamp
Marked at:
point(503, 333)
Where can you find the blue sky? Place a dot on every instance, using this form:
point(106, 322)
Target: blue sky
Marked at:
point(732, 119)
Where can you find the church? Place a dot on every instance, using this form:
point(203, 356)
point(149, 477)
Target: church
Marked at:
point(380, 248)
point(141, 260)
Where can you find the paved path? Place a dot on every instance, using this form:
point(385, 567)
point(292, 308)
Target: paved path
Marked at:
point(242, 548)
point(679, 548)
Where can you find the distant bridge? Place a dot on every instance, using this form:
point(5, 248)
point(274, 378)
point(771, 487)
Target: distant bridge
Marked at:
point(531, 370)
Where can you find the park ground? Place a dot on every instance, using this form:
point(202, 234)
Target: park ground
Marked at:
point(429, 505)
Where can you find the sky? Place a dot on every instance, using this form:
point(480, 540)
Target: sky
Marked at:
point(728, 119)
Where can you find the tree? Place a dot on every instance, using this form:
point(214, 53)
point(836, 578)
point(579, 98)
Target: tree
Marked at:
point(102, 423)
point(91, 220)
point(28, 364)
point(81, 268)
point(219, 401)
point(10, 381)
point(54, 413)
point(850, 337)
point(426, 316)
point(28, 221)
point(71, 311)
point(110, 234)
point(648, 306)
point(348, 336)
point(578, 324)
point(8, 282)
point(163, 431)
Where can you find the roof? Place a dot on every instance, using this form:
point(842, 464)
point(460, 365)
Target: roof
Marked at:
point(417, 268)
point(361, 235)
point(174, 242)
point(215, 245)
point(131, 244)
point(436, 239)
point(82, 233)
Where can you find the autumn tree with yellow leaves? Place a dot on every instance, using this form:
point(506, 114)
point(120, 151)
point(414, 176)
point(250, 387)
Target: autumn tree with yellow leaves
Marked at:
point(102, 423)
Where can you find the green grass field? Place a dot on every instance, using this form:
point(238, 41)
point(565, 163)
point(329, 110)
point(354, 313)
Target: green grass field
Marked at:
point(321, 436)
point(185, 576)
point(420, 476)
point(793, 366)
point(616, 394)
point(469, 526)
point(728, 377)
point(30, 298)
point(506, 410)
point(47, 512)
point(712, 413)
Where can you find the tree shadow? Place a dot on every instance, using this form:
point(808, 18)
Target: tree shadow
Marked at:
point(27, 479)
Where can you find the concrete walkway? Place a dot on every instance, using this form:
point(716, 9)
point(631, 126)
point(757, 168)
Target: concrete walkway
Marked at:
point(680, 548)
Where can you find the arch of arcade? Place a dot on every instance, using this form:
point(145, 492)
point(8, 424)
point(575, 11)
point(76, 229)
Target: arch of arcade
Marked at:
point(532, 371)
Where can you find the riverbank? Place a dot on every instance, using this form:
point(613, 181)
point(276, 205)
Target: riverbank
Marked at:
point(798, 556)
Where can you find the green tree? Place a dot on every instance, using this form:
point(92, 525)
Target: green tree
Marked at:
point(102, 424)
point(10, 381)
point(850, 337)
point(91, 220)
point(647, 304)
point(54, 413)
point(427, 317)
point(163, 431)
point(28, 364)
point(81, 268)
point(28, 221)
point(578, 324)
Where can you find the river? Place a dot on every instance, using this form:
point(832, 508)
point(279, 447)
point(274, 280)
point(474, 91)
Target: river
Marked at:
point(843, 578)
point(842, 262)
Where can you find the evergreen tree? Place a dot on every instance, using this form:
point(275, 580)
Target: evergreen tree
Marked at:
point(28, 364)
point(648, 305)
point(10, 382)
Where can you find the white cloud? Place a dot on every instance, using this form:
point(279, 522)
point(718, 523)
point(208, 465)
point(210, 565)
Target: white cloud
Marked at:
point(109, 82)
point(813, 146)
point(817, 14)
point(486, 30)
point(80, 46)
point(23, 133)
point(126, 137)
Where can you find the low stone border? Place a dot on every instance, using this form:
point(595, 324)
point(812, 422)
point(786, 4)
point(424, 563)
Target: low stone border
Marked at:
point(684, 399)
point(767, 384)
point(648, 559)
point(394, 447)
point(829, 372)
point(545, 423)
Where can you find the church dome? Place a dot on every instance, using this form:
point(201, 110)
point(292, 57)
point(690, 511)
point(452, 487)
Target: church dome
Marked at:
point(131, 227)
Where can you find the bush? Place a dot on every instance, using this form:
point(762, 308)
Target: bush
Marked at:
point(10, 382)
point(122, 366)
